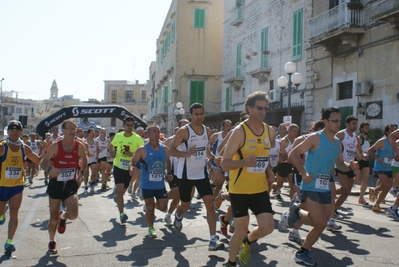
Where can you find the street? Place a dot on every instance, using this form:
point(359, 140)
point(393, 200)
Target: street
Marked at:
point(96, 237)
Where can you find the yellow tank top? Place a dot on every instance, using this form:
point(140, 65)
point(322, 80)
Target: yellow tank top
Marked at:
point(12, 167)
point(251, 180)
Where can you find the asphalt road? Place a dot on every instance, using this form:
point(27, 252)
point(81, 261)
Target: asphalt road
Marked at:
point(96, 237)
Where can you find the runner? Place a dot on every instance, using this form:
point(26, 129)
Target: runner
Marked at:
point(12, 154)
point(246, 157)
point(36, 148)
point(364, 164)
point(192, 170)
point(103, 144)
point(153, 161)
point(92, 170)
point(122, 148)
point(323, 150)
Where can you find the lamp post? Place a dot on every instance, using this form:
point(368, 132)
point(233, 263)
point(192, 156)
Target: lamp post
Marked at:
point(179, 111)
point(286, 83)
point(1, 108)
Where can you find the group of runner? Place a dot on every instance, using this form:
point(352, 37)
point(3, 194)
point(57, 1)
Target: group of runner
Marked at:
point(254, 159)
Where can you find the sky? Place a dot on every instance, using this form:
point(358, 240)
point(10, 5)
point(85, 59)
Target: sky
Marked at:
point(79, 43)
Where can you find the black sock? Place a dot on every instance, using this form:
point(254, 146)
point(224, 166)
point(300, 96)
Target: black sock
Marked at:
point(297, 212)
point(246, 240)
point(302, 250)
point(232, 263)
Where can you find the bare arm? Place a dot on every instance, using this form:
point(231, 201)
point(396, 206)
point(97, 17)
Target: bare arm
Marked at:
point(181, 136)
point(309, 143)
point(392, 139)
point(32, 155)
point(222, 145)
point(373, 149)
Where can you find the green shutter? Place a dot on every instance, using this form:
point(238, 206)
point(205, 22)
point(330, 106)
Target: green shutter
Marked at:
point(197, 92)
point(238, 60)
point(166, 94)
point(156, 102)
point(173, 31)
point(152, 104)
point(297, 35)
point(227, 98)
point(239, 12)
point(199, 18)
point(171, 90)
point(264, 46)
point(345, 112)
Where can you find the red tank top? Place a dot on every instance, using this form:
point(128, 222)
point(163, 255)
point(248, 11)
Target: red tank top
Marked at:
point(67, 162)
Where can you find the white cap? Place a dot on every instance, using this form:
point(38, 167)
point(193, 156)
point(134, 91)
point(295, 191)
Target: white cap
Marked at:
point(139, 128)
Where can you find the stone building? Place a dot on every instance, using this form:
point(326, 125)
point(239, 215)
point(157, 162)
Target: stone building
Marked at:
point(188, 64)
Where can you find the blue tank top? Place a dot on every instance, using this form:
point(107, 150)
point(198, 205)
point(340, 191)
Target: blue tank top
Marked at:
point(152, 175)
point(319, 164)
point(387, 155)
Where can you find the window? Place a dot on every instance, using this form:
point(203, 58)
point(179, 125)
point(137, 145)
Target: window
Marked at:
point(173, 31)
point(168, 40)
point(297, 35)
point(197, 92)
point(199, 18)
point(345, 112)
point(271, 84)
point(152, 104)
point(143, 95)
point(165, 95)
point(243, 92)
point(239, 13)
point(227, 98)
point(156, 102)
point(264, 47)
point(170, 90)
point(345, 90)
point(238, 60)
point(113, 96)
point(157, 61)
point(128, 96)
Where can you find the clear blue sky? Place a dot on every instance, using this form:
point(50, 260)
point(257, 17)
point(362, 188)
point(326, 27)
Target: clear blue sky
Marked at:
point(79, 43)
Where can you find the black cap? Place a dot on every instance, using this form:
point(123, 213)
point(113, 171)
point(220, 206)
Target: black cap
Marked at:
point(14, 124)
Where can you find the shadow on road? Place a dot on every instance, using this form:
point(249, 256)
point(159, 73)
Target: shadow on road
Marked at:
point(112, 236)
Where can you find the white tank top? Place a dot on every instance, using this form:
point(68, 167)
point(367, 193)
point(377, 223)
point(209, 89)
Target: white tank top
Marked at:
point(175, 160)
point(274, 154)
point(92, 149)
point(35, 147)
point(349, 144)
point(103, 145)
point(194, 167)
point(218, 141)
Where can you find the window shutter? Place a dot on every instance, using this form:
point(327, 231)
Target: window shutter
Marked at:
point(227, 98)
point(297, 35)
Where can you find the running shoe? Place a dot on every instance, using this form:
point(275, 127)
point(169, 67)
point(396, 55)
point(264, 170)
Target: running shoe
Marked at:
point(332, 226)
point(144, 208)
point(61, 224)
point(362, 201)
point(52, 247)
point(278, 196)
point(218, 202)
point(295, 237)
point(394, 213)
point(91, 187)
point(86, 190)
point(377, 209)
point(372, 195)
point(62, 206)
point(245, 254)
point(167, 220)
point(123, 218)
point(215, 244)
point(30, 180)
point(304, 258)
point(140, 194)
point(9, 248)
point(133, 196)
point(3, 219)
point(130, 189)
point(103, 187)
point(338, 215)
point(152, 233)
point(283, 222)
point(393, 192)
point(292, 217)
point(223, 224)
point(178, 223)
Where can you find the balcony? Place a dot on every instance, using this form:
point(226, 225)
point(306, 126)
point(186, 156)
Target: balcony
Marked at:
point(339, 25)
point(384, 11)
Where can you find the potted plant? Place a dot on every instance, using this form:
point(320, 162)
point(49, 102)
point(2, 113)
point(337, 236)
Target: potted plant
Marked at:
point(266, 52)
point(355, 5)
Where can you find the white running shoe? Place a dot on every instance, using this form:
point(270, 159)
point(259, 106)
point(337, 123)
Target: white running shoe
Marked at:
point(295, 237)
point(394, 213)
point(168, 220)
point(332, 226)
point(140, 193)
point(130, 189)
point(283, 222)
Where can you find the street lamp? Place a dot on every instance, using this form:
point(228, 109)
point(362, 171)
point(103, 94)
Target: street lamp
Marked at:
point(286, 83)
point(179, 111)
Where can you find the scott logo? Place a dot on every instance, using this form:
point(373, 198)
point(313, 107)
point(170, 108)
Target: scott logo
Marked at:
point(85, 111)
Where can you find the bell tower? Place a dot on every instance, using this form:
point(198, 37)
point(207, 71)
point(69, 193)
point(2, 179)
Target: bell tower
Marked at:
point(54, 90)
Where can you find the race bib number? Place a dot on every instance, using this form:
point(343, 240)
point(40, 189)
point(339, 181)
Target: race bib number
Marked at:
point(260, 165)
point(388, 159)
point(322, 182)
point(156, 176)
point(13, 172)
point(66, 175)
point(200, 153)
point(124, 164)
point(350, 154)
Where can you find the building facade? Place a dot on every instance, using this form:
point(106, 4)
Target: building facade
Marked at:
point(260, 37)
point(352, 52)
point(188, 65)
point(130, 95)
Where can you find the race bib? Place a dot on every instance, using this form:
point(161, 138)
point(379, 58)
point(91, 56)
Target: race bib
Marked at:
point(388, 159)
point(260, 165)
point(322, 182)
point(66, 175)
point(124, 164)
point(200, 153)
point(13, 172)
point(350, 154)
point(156, 176)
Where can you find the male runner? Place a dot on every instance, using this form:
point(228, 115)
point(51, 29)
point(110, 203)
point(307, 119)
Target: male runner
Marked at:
point(103, 144)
